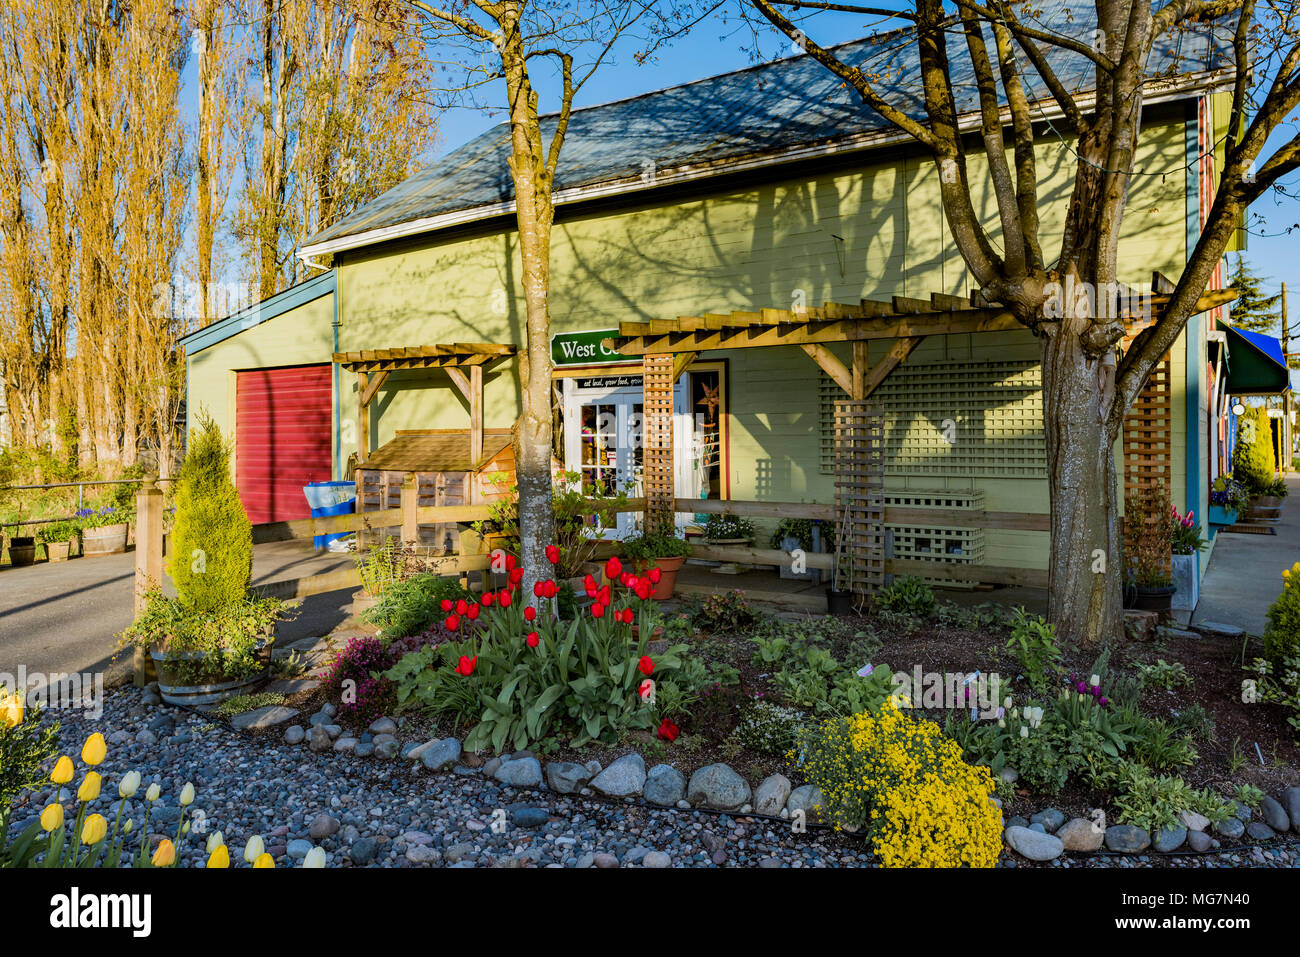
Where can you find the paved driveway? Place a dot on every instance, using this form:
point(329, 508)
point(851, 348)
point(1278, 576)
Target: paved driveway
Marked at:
point(62, 617)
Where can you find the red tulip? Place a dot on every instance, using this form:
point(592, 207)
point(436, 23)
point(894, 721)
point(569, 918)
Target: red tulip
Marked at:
point(532, 639)
point(452, 622)
point(632, 581)
point(447, 604)
point(530, 613)
point(472, 613)
point(597, 610)
point(505, 599)
point(613, 567)
point(511, 562)
point(646, 666)
point(605, 595)
point(654, 574)
point(516, 576)
point(551, 589)
point(622, 579)
point(553, 554)
point(627, 616)
point(668, 731)
point(461, 606)
point(643, 590)
point(466, 665)
point(538, 590)
point(590, 587)
point(488, 598)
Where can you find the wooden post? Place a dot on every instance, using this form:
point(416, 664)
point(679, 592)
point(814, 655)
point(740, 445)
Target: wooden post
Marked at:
point(363, 420)
point(410, 505)
point(475, 415)
point(657, 473)
point(148, 558)
point(859, 372)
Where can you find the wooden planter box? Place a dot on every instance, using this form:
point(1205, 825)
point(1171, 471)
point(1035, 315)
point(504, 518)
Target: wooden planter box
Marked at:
point(1222, 515)
point(1264, 508)
point(58, 551)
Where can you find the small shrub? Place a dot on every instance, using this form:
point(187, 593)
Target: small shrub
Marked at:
point(908, 595)
point(1247, 795)
point(1282, 638)
point(1033, 643)
point(723, 613)
point(364, 698)
point(212, 561)
point(1165, 675)
point(1162, 747)
point(1253, 462)
point(1196, 721)
point(1152, 803)
point(408, 607)
point(768, 728)
point(907, 785)
point(25, 745)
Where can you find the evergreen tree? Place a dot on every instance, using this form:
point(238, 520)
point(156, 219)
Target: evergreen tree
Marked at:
point(212, 561)
point(1252, 309)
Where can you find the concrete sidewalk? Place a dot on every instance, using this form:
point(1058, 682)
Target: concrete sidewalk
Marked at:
point(62, 617)
point(1244, 576)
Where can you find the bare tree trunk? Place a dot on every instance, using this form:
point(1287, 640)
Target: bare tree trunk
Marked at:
point(1085, 571)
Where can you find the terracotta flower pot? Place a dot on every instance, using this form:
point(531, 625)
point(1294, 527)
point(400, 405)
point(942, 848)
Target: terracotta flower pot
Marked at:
point(668, 569)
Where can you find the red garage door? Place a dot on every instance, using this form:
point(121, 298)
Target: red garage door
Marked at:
point(282, 439)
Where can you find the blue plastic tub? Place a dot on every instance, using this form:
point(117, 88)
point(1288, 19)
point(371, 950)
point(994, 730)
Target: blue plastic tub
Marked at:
point(330, 498)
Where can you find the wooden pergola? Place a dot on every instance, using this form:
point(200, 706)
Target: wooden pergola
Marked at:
point(668, 346)
point(464, 362)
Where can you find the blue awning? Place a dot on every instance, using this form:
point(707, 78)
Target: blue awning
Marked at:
point(1256, 365)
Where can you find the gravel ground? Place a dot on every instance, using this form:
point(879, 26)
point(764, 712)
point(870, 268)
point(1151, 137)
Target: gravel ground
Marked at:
point(363, 811)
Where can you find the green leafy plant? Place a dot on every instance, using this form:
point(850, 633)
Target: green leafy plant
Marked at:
point(1033, 643)
point(727, 526)
point(1147, 545)
point(1154, 802)
point(1247, 795)
point(1184, 533)
point(212, 561)
point(1164, 674)
point(800, 529)
point(1197, 721)
point(721, 612)
point(1253, 462)
point(408, 606)
point(1282, 637)
point(1162, 747)
point(63, 531)
point(380, 566)
point(768, 728)
point(643, 549)
point(242, 703)
point(907, 595)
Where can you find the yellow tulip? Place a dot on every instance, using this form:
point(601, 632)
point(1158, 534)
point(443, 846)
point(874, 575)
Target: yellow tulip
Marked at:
point(266, 860)
point(254, 848)
point(220, 857)
point(165, 856)
point(52, 817)
point(93, 751)
point(63, 770)
point(89, 789)
point(93, 831)
point(11, 711)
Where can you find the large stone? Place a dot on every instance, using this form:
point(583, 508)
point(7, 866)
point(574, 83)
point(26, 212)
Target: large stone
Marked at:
point(1050, 818)
point(294, 734)
point(1034, 845)
point(772, 794)
point(807, 798)
point(1199, 841)
point(623, 778)
point(657, 859)
point(1259, 831)
point(420, 854)
point(718, 786)
point(1080, 834)
point(566, 777)
point(1241, 812)
point(345, 744)
point(524, 773)
point(441, 754)
point(1193, 821)
point(664, 785)
point(1127, 839)
point(292, 686)
point(322, 826)
point(320, 739)
point(267, 717)
point(530, 816)
point(1275, 815)
point(364, 850)
point(1169, 839)
point(383, 726)
point(1214, 629)
point(1231, 828)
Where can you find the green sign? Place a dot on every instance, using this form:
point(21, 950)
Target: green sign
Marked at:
point(584, 348)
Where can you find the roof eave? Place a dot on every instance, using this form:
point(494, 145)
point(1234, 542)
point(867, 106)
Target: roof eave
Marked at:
point(1160, 91)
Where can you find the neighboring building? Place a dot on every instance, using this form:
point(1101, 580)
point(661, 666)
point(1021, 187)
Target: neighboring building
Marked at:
point(771, 187)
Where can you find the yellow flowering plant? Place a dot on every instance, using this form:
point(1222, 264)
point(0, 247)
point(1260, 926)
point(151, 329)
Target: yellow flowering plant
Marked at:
point(906, 784)
point(26, 746)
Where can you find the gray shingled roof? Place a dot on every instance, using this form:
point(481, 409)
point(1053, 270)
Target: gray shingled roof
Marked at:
point(769, 108)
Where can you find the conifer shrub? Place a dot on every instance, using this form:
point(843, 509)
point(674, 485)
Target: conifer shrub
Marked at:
point(211, 563)
point(1253, 463)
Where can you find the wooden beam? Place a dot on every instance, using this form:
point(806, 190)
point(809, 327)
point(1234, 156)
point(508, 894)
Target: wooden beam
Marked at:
point(681, 361)
point(363, 420)
point(373, 386)
point(830, 364)
point(858, 385)
point(897, 354)
point(461, 382)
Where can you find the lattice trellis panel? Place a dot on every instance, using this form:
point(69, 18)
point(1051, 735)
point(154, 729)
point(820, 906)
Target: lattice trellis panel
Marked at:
point(657, 407)
point(1148, 450)
point(1148, 432)
point(860, 494)
point(944, 418)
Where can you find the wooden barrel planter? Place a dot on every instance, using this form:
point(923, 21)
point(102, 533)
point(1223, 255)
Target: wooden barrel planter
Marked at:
point(22, 550)
point(212, 689)
point(105, 540)
point(1266, 509)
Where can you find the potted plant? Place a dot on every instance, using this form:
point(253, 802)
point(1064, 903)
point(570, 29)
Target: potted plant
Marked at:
point(792, 533)
point(1255, 465)
point(664, 550)
point(1148, 548)
point(57, 538)
point(727, 529)
point(1228, 499)
point(1185, 542)
point(379, 566)
point(22, 549)
point(103, 531)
